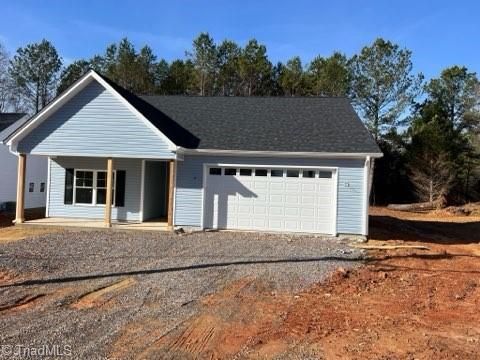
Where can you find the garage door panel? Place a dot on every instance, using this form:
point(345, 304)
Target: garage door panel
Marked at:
point(308, 200)
point(292, 186)
point(291, 211)
point(309, 187)
point(244, 209)
point(307, 212)
point(292, 225)
point(275, 224)
point(245, 224)
point(276, 198)
point(260, 210)
point(324, 189)
point(260, 185)
point(271, 203)
point(262, 197)
point(308, 226)
point(277, 211)
point(292, 199)
point(277, 186)
point(260, 223)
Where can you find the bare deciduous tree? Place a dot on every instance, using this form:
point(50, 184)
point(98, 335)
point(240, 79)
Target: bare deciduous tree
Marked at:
point(432, 177)
point(4, 79)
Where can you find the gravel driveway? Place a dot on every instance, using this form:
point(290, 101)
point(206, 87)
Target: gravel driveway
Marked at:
point(55, 287)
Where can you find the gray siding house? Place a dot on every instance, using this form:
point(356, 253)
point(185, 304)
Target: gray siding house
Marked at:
point(248, 163)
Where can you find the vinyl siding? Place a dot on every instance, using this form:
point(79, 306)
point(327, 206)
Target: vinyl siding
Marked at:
point(131, 210)
point(36, 172)
point(95, 123)
point(188, 201)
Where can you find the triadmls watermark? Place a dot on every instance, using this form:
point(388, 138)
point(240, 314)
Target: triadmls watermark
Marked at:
point(32, 351)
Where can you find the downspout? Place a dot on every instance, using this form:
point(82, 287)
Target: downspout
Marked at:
point(370, 176)
point(367, 185)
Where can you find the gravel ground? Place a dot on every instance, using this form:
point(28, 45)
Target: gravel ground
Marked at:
point(47, 275)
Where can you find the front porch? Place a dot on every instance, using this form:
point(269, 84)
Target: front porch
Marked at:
point(94, 192)
point(153, 225)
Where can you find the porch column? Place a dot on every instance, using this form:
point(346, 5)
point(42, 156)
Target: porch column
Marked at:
point(108, 197)
point(20, 210)
point(171, 189)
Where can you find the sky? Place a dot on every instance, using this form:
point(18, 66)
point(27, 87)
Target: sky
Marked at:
point(439, 33)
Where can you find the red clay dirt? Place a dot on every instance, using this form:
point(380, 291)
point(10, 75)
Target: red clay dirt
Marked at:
point(403, 304)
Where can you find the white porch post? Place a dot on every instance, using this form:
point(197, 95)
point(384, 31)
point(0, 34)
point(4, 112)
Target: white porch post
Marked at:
point(20, 206)
point(108, 197)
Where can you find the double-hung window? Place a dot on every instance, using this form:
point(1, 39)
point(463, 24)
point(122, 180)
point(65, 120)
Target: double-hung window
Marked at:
point(91, 187)
point(102, 187)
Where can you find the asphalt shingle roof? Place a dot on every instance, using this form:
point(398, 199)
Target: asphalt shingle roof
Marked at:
point(292, 124)
point(9, 122)
point(7, 119)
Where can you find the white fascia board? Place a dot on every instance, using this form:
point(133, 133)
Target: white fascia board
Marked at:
point(75, 89)
point(278, 153)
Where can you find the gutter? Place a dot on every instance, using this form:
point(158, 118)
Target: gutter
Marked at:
point(337, 155)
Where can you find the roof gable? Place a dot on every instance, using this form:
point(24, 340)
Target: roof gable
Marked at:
point(69, 94)
point(95, 122)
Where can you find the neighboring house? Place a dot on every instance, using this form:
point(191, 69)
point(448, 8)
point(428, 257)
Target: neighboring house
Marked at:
point(36, 177)
point(251, 163)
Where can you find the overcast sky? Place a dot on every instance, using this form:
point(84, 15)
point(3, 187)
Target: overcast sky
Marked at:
point(440, 33)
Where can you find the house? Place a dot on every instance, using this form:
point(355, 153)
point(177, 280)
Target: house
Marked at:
point(251, 163)
point(36, 176)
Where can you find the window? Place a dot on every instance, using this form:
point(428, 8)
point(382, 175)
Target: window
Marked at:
point(102, 188)
point(261, 172)
point(31, 187)
point(325, 174)
point(84, 187)
point(231, 172)
point(42, 187)
point(293, 173)
point(215, 171)
point(276, 173)
point(245, 172)
point(308, 173)
point(91, 187)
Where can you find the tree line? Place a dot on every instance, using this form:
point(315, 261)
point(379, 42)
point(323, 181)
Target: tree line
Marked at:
point(427, 130)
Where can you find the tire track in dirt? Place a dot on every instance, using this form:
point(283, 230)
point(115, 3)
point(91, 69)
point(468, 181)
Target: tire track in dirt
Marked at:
point(21, 302)
point(99, 295)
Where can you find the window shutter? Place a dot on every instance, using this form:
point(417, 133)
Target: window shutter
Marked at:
point(120, 189)
point(68, 197)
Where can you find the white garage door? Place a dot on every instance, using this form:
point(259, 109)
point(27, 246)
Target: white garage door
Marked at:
point(278, 199)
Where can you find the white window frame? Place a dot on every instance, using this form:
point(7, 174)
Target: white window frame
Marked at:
point(94, 187)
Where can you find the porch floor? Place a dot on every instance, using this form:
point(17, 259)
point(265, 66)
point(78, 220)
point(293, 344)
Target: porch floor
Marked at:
point(91, 223)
